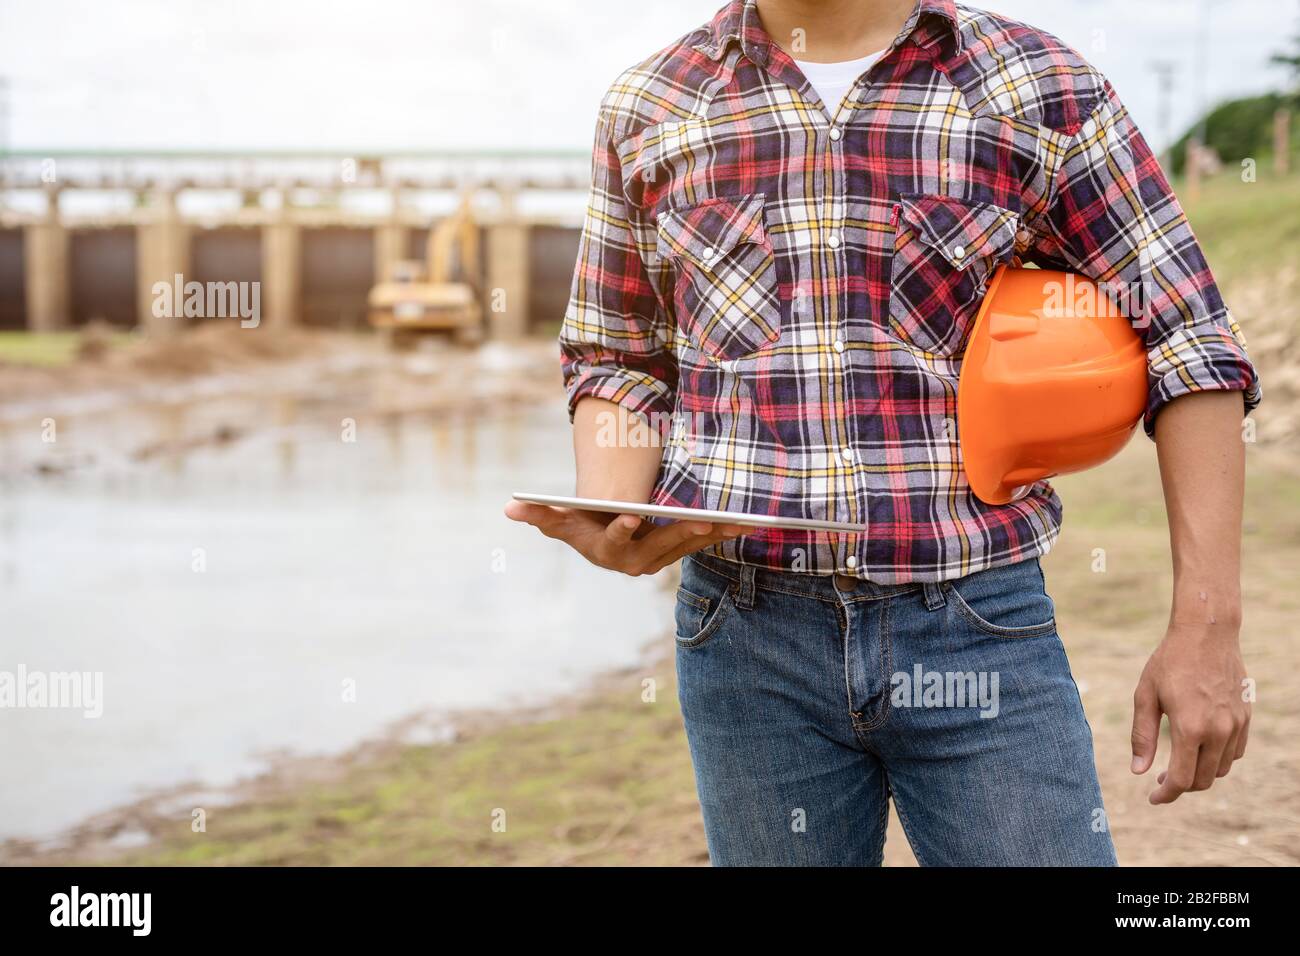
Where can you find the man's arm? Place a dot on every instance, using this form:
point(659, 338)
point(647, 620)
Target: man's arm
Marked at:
point(1195, 675)
point(620, 471)
point(1112, 216)
point(618, 367)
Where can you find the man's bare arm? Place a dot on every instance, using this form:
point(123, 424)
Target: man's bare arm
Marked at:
point(618, 470)
point(1195, 675)
point(621, 470)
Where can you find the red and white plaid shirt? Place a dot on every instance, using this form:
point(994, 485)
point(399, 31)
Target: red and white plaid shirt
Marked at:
point(792, 283)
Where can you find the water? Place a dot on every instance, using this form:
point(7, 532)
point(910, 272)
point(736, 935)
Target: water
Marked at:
point(231, 594)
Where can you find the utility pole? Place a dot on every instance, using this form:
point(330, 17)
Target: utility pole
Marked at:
point(1164, 71)
point(4, 141)
point(1290, 99)
point(1196, 142)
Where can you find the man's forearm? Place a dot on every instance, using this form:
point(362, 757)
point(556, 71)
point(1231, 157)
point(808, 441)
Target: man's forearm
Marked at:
point(617, 455)
point(618, 459)
point(1202, 468)
point(1195, 676)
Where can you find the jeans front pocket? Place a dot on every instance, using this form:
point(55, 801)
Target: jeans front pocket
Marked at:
point(698, 618)
point(705, 600)
point(1006, 601)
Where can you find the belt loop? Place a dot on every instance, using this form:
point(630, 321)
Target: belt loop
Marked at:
point(745, 587)
point(933, 592)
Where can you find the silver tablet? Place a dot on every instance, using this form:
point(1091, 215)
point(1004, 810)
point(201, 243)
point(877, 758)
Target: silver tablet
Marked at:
point(691, 514)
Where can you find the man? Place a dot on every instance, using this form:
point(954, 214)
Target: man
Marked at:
point(794, 213)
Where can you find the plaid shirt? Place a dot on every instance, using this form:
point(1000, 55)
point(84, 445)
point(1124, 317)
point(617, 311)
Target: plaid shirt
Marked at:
point(791, 283)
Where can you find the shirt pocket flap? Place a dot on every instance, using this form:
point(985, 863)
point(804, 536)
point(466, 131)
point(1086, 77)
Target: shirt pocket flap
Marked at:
point(962, 232)
point(708, 231)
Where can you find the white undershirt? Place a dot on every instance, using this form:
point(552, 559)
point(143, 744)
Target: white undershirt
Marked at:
point(832, 80)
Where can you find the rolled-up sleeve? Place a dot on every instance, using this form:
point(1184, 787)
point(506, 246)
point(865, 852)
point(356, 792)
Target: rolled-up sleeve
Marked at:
point(615, 341)
point(1114, 218)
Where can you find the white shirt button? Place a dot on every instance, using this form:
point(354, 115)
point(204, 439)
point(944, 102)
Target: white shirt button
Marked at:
point(851, 561)
point(958, 251)
point(833, 241)
point(847, 454)
point(835, 133)
point(707, 254)
point(838, 346)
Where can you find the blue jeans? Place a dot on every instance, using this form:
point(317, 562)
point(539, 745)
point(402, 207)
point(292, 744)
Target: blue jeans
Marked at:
point(811, 701)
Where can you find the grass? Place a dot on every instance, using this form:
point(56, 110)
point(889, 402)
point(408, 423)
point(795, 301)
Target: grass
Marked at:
point(605, 781)
point(48, 349)
point(1247, 228)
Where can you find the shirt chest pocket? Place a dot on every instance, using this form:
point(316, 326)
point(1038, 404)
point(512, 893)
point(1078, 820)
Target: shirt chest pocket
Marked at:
point(725, 292)
point(944, 252)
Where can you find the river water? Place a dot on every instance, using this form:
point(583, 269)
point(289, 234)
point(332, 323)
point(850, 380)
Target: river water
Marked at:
point(284, 591)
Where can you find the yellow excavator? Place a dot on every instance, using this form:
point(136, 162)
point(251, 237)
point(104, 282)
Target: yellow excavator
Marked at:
point(439, 295)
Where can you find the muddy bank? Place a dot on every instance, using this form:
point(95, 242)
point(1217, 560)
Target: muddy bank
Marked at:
point(220, 349)
point(218, 383)
point(207, 349)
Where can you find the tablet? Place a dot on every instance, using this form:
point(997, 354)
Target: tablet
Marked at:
point(691, 514)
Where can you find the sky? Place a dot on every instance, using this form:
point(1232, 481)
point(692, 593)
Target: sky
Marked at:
point(529, 74)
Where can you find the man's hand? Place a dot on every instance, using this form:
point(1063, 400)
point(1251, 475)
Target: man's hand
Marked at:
point(622, 544)
point(620, 470)
point(1195, 676)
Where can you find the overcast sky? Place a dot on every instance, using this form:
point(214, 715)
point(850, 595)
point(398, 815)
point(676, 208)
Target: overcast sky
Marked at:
point(363, 75)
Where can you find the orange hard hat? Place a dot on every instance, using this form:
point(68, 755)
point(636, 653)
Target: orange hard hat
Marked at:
point(1054, 381)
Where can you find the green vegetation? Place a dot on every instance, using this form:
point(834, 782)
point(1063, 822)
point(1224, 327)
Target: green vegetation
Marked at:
point(48, 349)
point(1247, 229)
point(1239, 129)
point(584, 786)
